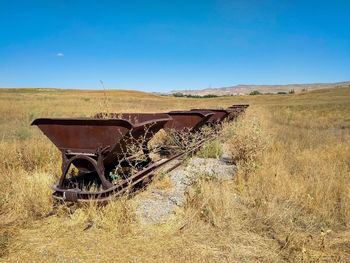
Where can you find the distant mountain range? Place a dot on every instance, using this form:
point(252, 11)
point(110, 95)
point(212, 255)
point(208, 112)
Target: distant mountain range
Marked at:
point(246, 89)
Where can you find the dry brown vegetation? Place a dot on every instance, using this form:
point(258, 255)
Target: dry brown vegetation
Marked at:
point(290, 200)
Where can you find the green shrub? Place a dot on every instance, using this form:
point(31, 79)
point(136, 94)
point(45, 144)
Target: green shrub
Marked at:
point(181, 95)
point(255, 92)
point(178, 94)
point(212, 149)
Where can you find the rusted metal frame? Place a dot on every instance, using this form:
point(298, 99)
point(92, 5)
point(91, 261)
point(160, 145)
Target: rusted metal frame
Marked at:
point(233, 114)
point(137, 132)
point(76, 195)
point(202, 122)
point(97, 160)
point(192, 127)
point(78, 144)
point(239, 106)
point(218, 116)
point(112, 191)
point(97, 163)
point(81, 154)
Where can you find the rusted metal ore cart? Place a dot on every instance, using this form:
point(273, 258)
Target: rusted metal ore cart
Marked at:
point(94, 146)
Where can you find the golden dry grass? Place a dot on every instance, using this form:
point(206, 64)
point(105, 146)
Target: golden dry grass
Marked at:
point(290, 200)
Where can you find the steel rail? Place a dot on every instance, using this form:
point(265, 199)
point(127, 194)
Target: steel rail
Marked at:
point(76, 195)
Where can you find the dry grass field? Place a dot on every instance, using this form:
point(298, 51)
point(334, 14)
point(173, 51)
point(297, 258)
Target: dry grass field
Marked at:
point(289, 202)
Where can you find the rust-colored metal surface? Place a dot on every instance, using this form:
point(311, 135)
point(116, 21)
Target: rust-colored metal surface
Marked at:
point(96, 146)
point(218, 116)
point(236, 110)
point(134, 118)
point(239, 106)
point(87, 135)
point(83, 135)
point(188, 120)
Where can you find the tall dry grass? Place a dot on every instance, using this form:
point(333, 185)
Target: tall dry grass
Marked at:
point(298, 191)
point(289, 201)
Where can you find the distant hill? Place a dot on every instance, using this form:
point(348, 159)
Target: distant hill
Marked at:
point(246, 89)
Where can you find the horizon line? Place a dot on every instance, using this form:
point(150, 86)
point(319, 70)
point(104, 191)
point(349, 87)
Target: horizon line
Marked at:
point(142, 90)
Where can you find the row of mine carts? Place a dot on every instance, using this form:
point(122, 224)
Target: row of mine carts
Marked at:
point(92, 148)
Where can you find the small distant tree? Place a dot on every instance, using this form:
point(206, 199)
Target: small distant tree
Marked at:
point(292, 91)
point(210, 96)
point(178, 94)
point(255, 92)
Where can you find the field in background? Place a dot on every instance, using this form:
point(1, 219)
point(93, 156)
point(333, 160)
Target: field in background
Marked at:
point(290, 200)
point(247, 89)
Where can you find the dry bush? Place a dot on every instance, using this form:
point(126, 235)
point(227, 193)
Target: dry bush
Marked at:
point(211, 149)
point(171, 142)
point(28, 169)
point(178, 141)
point(24, 198)
point(247, 141)
point(116, 216)
point(30, 155)
point(29, 198)
point(297, 193)
point(218, 212)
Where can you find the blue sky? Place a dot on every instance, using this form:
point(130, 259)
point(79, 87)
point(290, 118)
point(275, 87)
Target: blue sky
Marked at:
point(167, 45)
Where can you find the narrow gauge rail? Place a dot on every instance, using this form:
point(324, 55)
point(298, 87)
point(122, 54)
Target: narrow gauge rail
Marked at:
point(95, 146)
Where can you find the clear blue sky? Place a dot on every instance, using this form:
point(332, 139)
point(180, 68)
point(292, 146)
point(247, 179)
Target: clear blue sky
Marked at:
point(167, 45)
